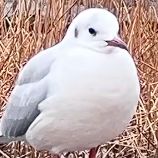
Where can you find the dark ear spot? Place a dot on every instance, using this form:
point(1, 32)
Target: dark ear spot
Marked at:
point(76, 32)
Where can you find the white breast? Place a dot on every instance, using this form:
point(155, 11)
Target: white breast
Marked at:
point(91, 99)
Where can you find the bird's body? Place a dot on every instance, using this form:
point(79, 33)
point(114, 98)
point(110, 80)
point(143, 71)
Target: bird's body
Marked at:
point(87, 110)
point(82, 97)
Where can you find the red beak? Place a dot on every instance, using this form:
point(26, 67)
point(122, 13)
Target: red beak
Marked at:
point(117, 42)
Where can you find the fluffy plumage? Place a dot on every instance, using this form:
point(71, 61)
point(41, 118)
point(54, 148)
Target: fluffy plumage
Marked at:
point(77, 94)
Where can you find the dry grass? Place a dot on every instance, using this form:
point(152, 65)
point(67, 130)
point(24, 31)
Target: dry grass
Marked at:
point(36, 25)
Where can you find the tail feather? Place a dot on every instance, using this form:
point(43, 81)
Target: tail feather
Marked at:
point(4, 140)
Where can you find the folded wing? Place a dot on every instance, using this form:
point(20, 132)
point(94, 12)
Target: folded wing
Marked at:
point(29, 91)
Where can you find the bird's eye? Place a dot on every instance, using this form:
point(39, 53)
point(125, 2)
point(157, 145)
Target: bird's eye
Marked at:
point(92, 31)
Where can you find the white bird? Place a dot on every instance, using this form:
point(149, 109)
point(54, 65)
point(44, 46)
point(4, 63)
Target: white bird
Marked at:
point(77, 94)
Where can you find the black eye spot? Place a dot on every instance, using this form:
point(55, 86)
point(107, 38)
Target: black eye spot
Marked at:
point(76, 32)
point(92, 31)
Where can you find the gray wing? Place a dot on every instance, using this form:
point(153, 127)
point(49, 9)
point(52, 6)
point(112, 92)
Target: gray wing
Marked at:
point(37, 67)
point(29, 91)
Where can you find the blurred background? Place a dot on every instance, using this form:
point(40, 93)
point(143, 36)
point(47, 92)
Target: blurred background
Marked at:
point(28, 26)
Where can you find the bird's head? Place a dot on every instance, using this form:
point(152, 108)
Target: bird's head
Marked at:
point(95, 28)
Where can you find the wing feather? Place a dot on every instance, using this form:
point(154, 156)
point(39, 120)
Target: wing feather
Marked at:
point(29, 91)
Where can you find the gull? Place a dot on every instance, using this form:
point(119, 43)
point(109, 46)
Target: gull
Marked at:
point(78, 94)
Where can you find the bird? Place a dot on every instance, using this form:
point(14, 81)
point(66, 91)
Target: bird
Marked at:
point(77, 94)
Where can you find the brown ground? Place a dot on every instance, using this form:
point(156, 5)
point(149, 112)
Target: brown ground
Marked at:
point(34, 26)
